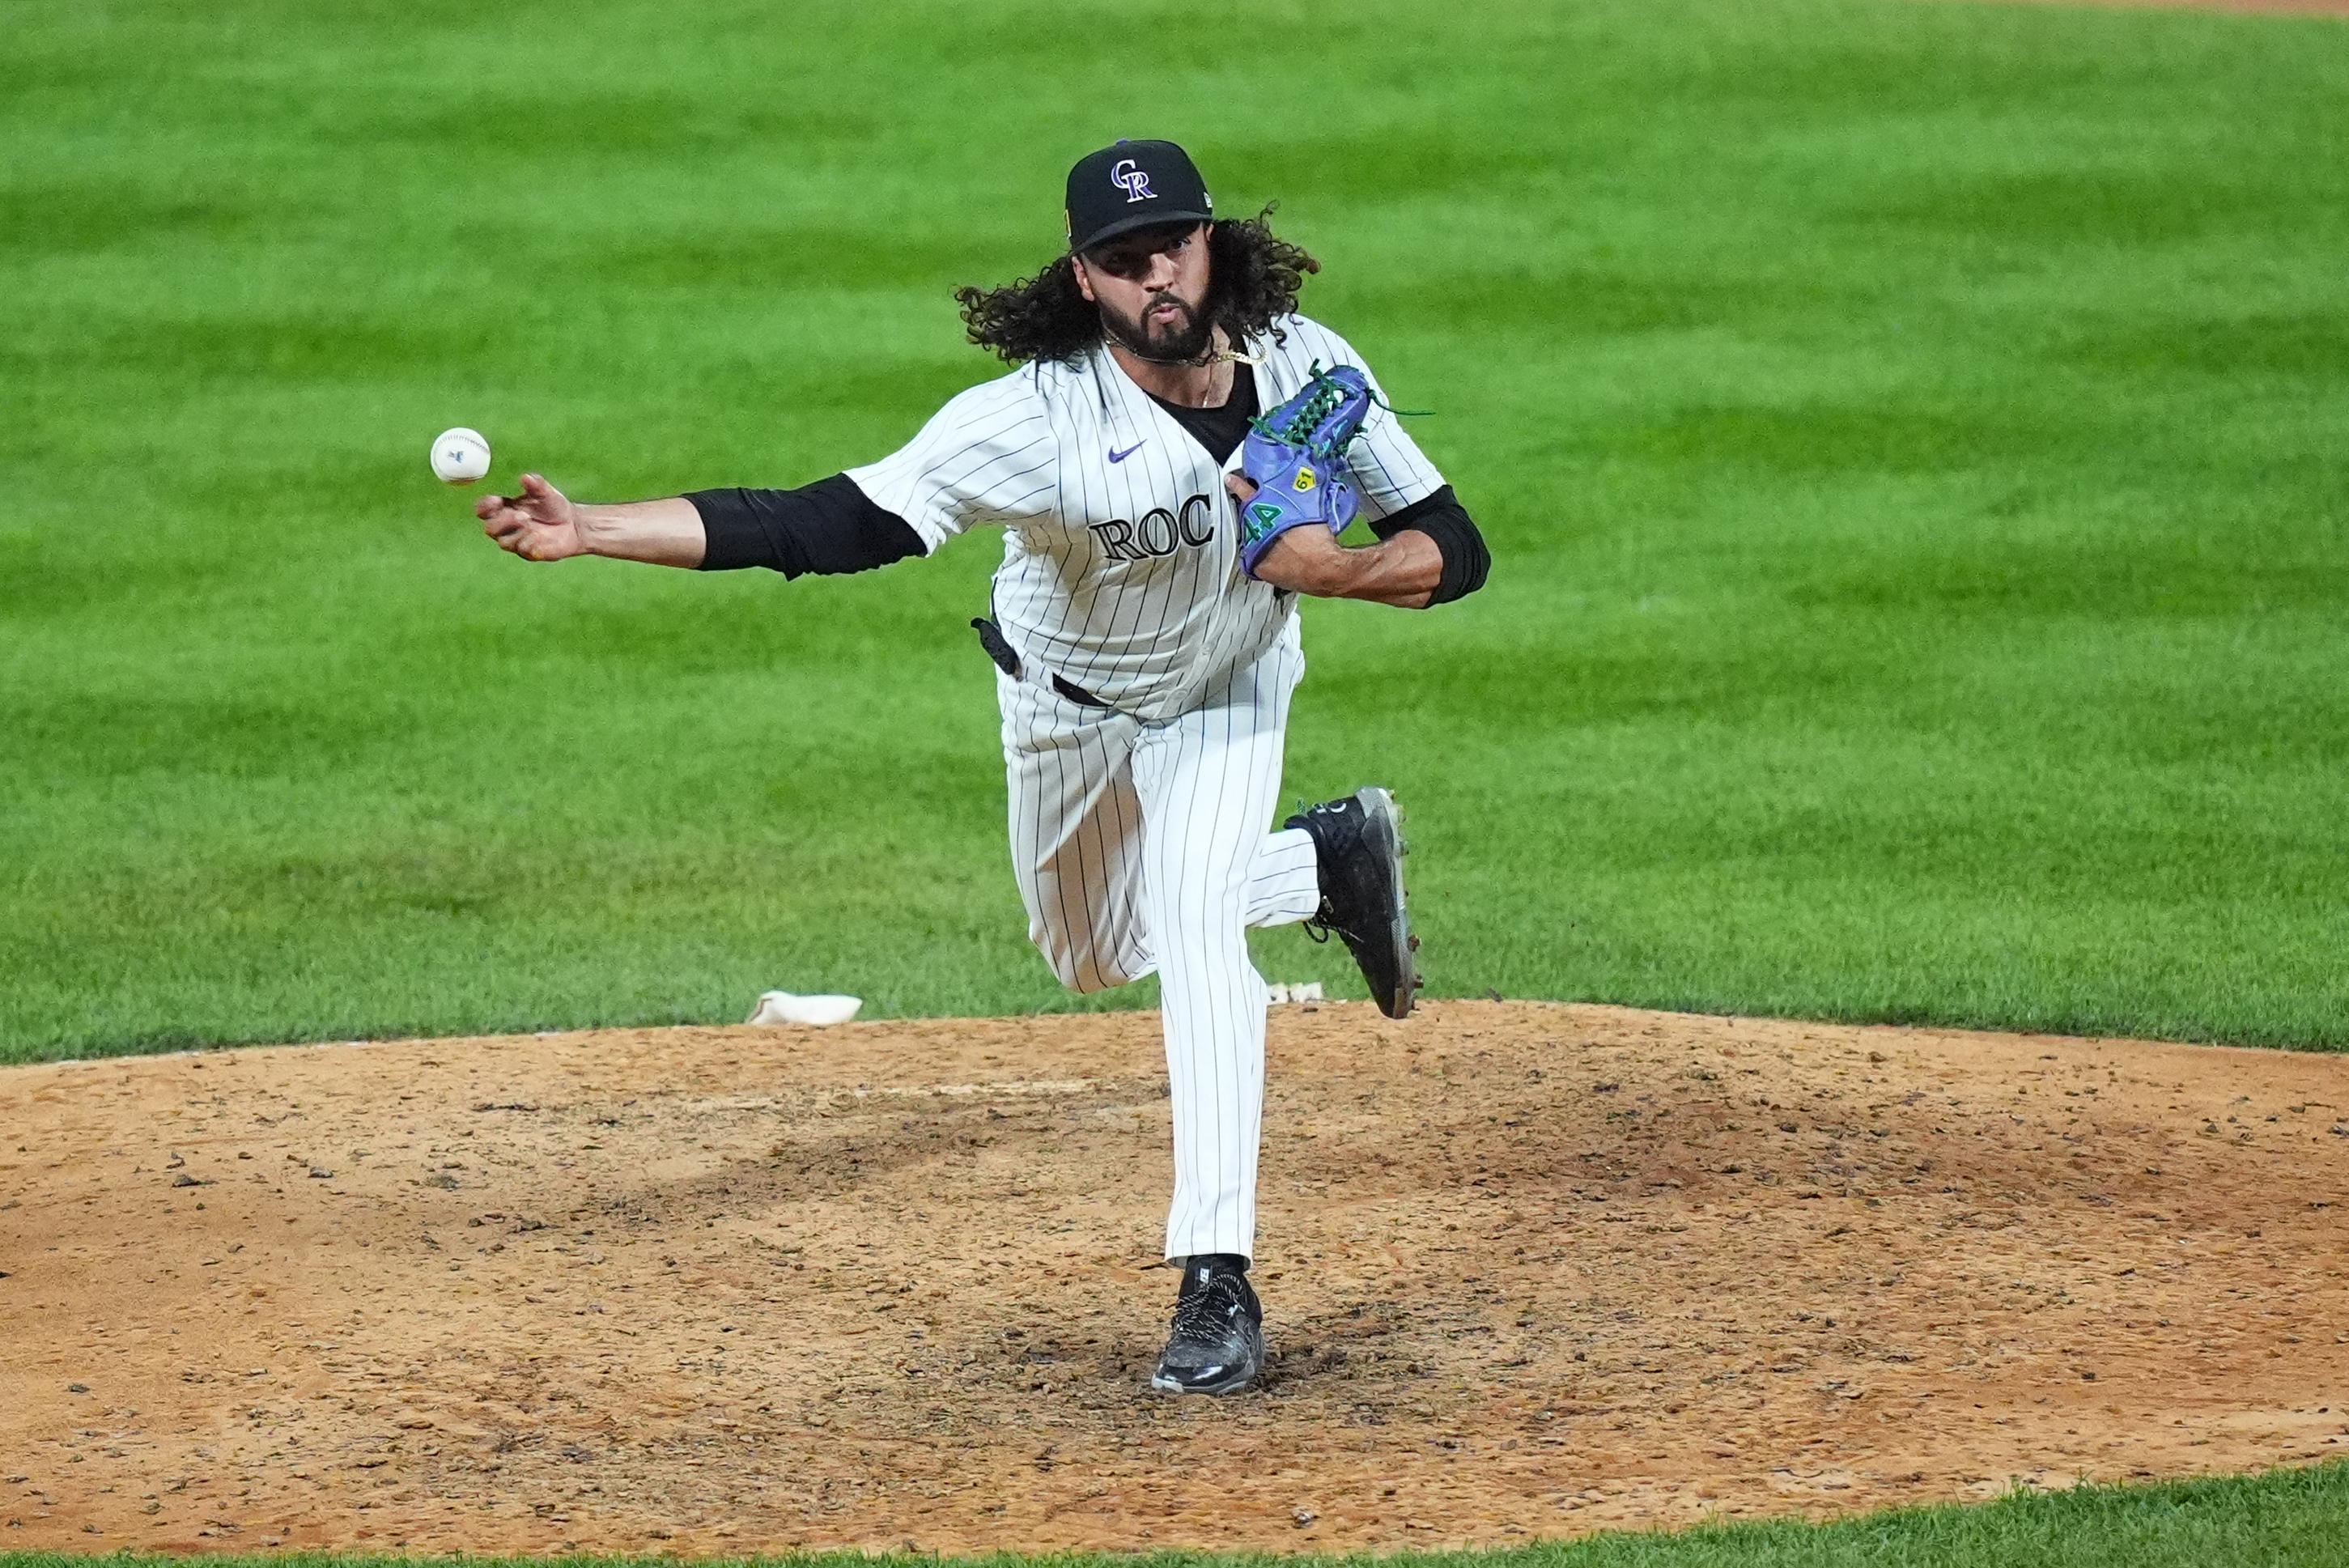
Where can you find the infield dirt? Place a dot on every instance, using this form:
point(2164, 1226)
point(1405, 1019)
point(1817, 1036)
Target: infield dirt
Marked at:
point(1530, 1269)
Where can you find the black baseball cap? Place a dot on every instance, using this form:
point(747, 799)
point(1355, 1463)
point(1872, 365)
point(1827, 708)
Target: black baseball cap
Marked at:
point(1131, 186)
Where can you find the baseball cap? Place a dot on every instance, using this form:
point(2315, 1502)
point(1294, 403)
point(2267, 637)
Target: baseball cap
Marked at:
point(1130, 186)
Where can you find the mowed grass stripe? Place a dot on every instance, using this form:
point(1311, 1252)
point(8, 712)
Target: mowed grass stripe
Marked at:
point(1910, 439)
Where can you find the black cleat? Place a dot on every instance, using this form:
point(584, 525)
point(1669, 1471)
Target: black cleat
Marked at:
point(1359, 841)
point(1218, 1346)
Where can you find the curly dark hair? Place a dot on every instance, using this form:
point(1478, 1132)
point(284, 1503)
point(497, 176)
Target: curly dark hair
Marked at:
point(1253, 276)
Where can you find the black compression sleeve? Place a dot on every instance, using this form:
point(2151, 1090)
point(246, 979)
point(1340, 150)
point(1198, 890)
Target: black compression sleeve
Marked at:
point(827, 527)
point(1442, 518)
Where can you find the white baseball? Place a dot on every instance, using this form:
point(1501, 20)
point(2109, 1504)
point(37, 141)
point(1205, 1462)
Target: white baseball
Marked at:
point(460, 456)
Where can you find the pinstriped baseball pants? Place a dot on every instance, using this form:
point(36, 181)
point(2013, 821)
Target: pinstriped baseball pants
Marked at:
point(1144, 848)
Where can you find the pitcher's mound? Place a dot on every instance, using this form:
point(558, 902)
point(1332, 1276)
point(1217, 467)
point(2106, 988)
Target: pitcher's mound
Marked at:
point(1528, 1271)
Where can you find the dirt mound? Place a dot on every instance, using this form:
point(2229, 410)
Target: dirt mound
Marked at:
point(1528, 1271)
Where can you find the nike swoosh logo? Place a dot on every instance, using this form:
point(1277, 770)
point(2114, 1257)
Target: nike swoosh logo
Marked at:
point(1129, 451)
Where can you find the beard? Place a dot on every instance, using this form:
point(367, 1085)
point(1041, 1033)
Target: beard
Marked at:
point(1183, 341)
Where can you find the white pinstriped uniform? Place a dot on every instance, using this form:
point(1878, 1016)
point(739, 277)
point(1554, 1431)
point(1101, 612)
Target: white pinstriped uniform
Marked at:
point(1141, 832)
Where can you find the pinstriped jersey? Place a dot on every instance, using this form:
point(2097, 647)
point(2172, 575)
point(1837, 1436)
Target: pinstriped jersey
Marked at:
point(1121, 552)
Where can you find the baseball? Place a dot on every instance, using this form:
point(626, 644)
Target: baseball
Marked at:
point(460, 456)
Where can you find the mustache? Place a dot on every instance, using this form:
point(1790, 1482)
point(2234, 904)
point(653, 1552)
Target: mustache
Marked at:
point(1183, 342)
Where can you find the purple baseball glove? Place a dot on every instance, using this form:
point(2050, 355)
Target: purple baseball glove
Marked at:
point(1295, 457)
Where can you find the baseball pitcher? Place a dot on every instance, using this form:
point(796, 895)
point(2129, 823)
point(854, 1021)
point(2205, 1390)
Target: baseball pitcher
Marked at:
point(1171, 461)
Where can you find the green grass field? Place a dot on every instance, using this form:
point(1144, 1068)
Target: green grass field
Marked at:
point(1910, 438)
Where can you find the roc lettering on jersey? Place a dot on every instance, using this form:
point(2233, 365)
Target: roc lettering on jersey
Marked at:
point(1157, 532)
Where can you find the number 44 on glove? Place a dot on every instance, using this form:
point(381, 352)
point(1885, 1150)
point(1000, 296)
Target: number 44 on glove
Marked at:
point(1295, 458)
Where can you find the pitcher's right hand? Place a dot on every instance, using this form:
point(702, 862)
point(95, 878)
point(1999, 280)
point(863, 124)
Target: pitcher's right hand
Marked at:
point(538, 525)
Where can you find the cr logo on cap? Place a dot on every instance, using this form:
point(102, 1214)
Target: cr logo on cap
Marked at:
point(1133, 180)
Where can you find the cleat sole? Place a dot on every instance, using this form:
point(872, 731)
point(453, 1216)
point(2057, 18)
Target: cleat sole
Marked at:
point(1231, 1384)
point(1382, 829)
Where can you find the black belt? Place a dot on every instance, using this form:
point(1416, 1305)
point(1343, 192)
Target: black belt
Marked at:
point(1007, 660)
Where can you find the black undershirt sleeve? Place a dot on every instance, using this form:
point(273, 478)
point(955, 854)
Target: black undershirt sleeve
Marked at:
point(827, 527)
point(1442, 518)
